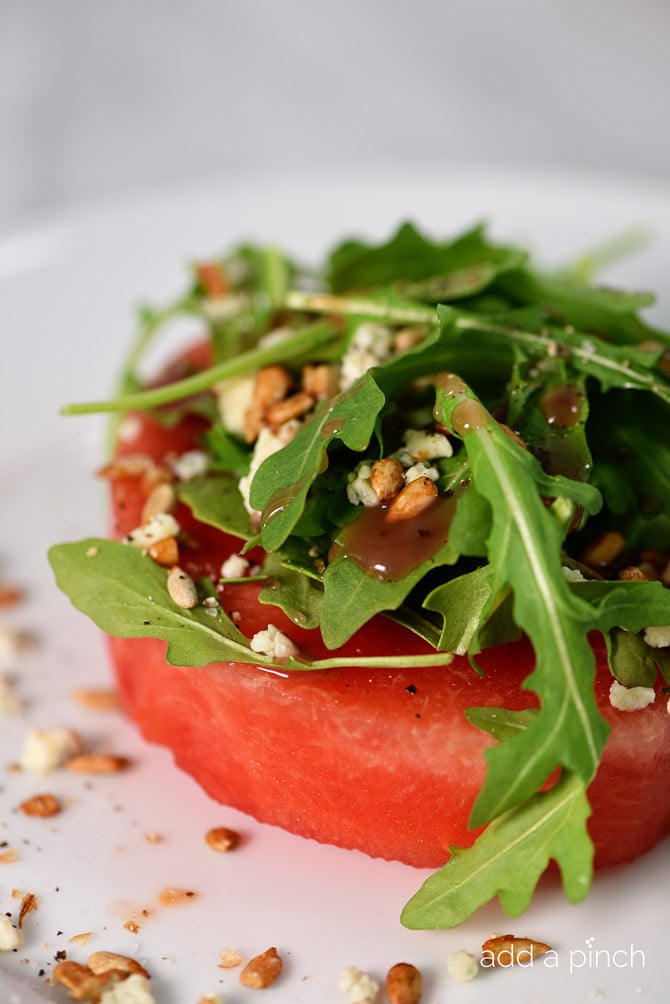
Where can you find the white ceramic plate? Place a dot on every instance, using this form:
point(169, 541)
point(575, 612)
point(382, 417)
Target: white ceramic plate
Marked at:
point(67, 293)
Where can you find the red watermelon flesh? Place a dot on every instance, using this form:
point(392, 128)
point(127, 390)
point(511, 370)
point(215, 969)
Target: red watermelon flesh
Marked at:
point(375, 759)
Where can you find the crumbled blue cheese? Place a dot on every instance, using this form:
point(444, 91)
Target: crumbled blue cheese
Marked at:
point(421, 470)
point(159, 527)
point(657, 637)
point(359, 488)
point(273, 643)
point(234, 567)
point(47, 749)
point(421, 446)
point(631, 698)
point(572, 574)
point(234, 398)
point(268, 442)
point(359, 987)
point(463, 966)
point(10, 937)
point(372, 344)
point(135, 989)
point(190, 465)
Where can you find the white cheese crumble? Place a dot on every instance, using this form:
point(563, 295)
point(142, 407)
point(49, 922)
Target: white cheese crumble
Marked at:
point(135, 989)
point(268, 442)
point(421, 446)
point(359, 488)
point(630, 698)
point(421, 470)
point(234, 567)
point(10, 937)
point(372, 344)
point(190, 465)
point(273, 643)
point(9, 700)
point(159, 527)
point(46, 749)
point(129, 429)
point(463, 966)
point(572, 574)
point(234, 398)
point(657, 637)
point(360, 988)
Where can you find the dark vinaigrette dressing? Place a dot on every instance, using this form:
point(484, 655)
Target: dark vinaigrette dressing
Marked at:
point(391, 549)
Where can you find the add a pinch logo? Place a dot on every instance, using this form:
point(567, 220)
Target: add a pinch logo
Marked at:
point(509, 950)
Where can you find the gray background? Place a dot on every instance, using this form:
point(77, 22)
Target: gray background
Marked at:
point(100, 98)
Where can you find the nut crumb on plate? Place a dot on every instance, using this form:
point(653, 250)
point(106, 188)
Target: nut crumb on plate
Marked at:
point(97, 763)
point(404, 984)
point(43, 805)
point(222, 839)
point(230, 958)
point(28, 905)
point(261, 971)
point(508, 950)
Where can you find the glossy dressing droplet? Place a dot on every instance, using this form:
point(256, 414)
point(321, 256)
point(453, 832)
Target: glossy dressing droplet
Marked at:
point(562, 405)
point(391, 549)
point(469, 416)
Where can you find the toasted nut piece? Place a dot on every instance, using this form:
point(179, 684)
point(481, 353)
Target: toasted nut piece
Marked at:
point(9, 595)
point(412, 500)
point(272, 384)
point(97, 763)
point(161, 498)
point(632, 573)
point(404, 984)
point(213, 279)
point(320, 380)
point(28, 905)
point(102, 962)
point(132, 465)
point(407, 338)
point(513, 435)
point(41, 805)
point(97, 698)
point(262, 970)
point(222, 839)
point(604, 550)
point(165, 552)
point(290, 407)
point(507, 949)
point(181, 588)
point(386, 478)
point(84, 985)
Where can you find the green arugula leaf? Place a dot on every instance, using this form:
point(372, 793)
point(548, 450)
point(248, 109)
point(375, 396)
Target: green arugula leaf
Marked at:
point(501, 723)
point(281, 484)
point(509, 857)
point(125, 593)
point(471, 618)
point(524, 550)
point(300, 596)
point(216, 500)
point(351, 596)
point(409, 257)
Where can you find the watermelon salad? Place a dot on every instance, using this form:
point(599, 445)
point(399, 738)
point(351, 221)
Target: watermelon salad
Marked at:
point(389, 556)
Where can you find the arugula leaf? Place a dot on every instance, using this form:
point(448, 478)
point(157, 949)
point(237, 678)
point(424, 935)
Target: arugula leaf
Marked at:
point(281, 484)
point(298, 595)
point(501, 723)
point(216, 500)
point(351, 596)
point(524, 550)
point(125, 593)
point(471, 618)
point(509, 857)
point(408, 255)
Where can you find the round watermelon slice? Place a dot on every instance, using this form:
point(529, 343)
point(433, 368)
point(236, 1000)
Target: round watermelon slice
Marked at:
point(381, 760)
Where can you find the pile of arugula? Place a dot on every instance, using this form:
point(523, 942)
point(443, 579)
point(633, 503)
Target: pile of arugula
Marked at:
point(528, 509)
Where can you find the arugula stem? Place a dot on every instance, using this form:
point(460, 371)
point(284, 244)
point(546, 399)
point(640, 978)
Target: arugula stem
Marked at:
point(304, 341)
point(328, 303)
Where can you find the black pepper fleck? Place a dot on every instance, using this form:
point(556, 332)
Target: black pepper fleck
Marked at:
point(411, 689)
